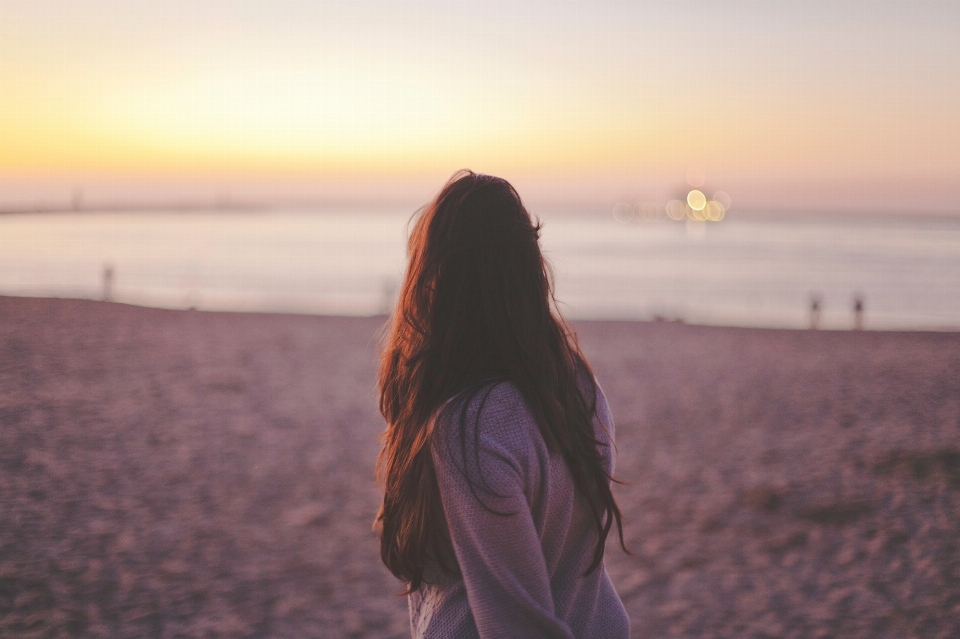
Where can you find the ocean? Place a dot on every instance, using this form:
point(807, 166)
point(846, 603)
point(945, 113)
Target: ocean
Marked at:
point(758, 271)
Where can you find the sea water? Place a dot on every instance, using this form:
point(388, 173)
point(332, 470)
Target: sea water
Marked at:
point(747, 271)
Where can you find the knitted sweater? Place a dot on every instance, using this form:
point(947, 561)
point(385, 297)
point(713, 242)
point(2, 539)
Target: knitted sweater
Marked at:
point(522, 574)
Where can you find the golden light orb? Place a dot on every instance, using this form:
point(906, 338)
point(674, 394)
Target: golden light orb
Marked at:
point(714, 211)
point(696, 200)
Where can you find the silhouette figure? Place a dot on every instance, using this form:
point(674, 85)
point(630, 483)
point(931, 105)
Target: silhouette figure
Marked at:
point(107, 283)
point(814, 312)
point(857, 313)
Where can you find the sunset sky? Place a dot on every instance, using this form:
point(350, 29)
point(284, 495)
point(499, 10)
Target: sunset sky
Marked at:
point(803, 105)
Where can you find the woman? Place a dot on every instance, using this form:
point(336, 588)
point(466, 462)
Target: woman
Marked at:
point(498, 455)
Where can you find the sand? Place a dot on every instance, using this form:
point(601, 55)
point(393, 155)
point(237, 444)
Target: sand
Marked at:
point(189, 474)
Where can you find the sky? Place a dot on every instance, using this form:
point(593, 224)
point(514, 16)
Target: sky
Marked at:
point(786, 106)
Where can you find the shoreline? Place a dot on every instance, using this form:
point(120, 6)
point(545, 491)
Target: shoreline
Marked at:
point(572, 322)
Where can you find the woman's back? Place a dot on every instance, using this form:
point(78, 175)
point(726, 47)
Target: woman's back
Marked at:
point(507, 588)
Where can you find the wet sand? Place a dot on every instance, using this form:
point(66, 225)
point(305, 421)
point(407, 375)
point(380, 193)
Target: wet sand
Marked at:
point(186, 474)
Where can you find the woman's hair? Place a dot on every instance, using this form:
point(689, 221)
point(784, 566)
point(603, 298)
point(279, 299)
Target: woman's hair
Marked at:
point(476, 308)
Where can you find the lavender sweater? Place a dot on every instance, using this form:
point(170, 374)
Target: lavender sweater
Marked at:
point(522, 575)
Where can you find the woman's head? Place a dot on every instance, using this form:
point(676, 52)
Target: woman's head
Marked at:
point(476, 308)
point(476, 290)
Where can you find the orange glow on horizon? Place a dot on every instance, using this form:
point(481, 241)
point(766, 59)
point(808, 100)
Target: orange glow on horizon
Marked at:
point(385, 89)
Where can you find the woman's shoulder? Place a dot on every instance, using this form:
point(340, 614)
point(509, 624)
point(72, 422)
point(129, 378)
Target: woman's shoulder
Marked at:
point(498, 413)
point(494, 404)
point(489, 437)
point(496, 409)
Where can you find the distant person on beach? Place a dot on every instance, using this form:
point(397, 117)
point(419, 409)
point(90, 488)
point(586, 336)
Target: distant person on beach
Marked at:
point(498, 455)
point(814, 312)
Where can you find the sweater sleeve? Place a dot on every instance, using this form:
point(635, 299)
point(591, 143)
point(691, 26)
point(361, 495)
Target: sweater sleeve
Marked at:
point(499, 553)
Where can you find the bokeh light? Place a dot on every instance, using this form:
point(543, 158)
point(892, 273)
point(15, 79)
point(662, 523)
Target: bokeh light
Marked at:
point(696, 199)
point(714, 211)
point(623, 212)
point(695, 177)
point(676, 210)
point(650, 211)
point(723, 199)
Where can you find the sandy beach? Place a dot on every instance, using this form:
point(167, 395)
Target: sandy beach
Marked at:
point(189, 474)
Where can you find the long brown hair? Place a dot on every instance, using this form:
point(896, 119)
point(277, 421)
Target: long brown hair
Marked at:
point(476, 309)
